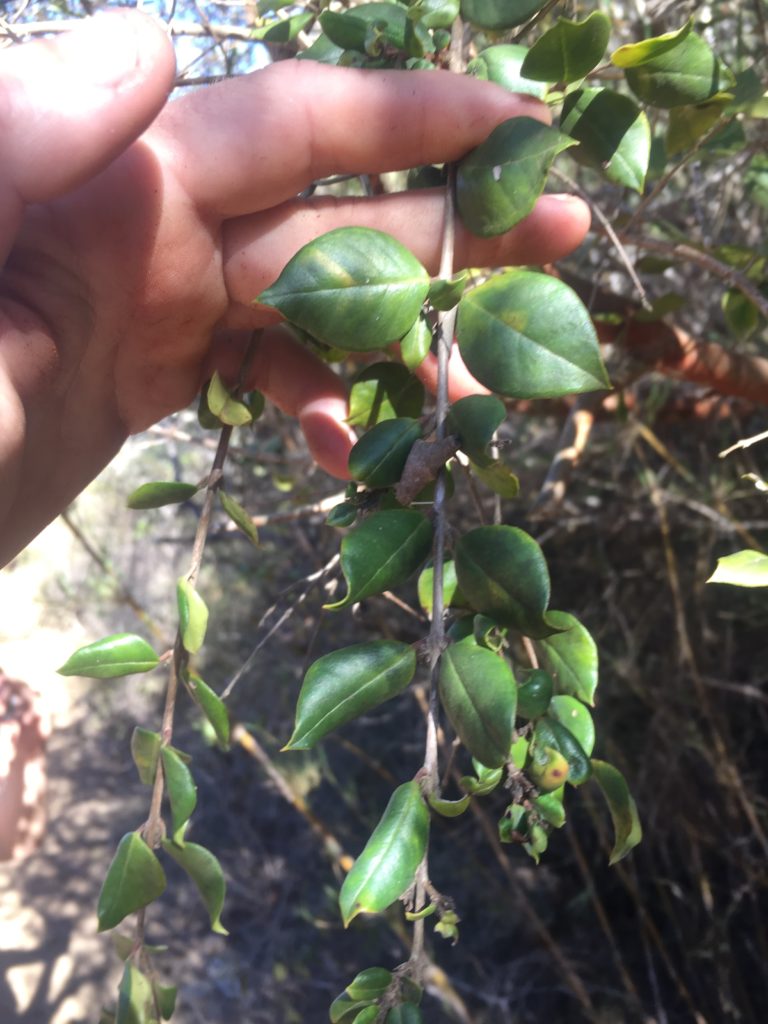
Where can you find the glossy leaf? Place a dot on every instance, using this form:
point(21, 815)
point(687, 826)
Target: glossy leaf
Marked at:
point(635, 54)
point(742, 569)
point(498, 183)
point(121, 654)
point(474, 420)
point(134, 878)
point(383, 391)
point(135, 1001)
point(444, 294)
point(239, 516)
point(569, 50)
point(182, 792)
point(166, 999)
point(145, 751)
point(228, 410)
point(497, 477)
point(435, 13)
point(449, 808)
point(549, 733)
point(387, 865)
point(614, 134)
point(503, 574)
point(570, 657)
point(381, 552)
point(414, 346)
point(502, 64)
point(626, 823)
point(193, 616)
point(479, 694)
point(405, 1013)
point(157, 494)
point(378, 459)
point(685, 74)
point(344, 1010)
point(367, 1016)
point(212, 706)
point(283, 30)
point(345, 684)
point(452, 596)
point(528, 335)
point(534, 694)
point(576, 718)
point(371, 983)
point(518, 752)
point(357, 28)
point(354, 288)
point(343, 514)
point(550, 807)
point(487, 780)
point(499, 14)
point(205, 871)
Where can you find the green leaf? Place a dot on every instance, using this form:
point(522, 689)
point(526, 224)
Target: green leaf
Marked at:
point(345, 684)
point(498, 183)
point(569, 50)
point(570, 657)
point(435, 13)
point(614, 134)
point(487, 780)
point(571, 713)
point(479, 694)
point(687, 73)
point(387, 865)
point(166, 999)
point(135, 1002)
point(414, 346)
point(383, 391)
point(528, 335)
point(382, 552)
point(352, 30)
point(497, 477)
point(444, 294)
point(193, 616)
point(449, 808)
point(741, 316)
point(239, 516)
point(503, 574)
point(145, 751)
point(354, 288)
point(205, 871)
point(535, 694)
point(378, 459)
point(742, 569)
point(344, 1010)
point(452, 596)
point(367, 1016)
point(688, 124)
point(212, 706)
point(635, 54)
point(405, 1013)
point(223, 406)
point(343, 514)
point(182, 792)
point(157, 494)
point(134, 878)
point(474, 420)
point(283, 30)
point(550, 734)
point(121, 654)
point(371, 983)
point(499, 14)
point(550, 807)
point(626, 823)
point(502, 64)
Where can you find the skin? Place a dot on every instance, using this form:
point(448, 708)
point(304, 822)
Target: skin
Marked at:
point(136, 233)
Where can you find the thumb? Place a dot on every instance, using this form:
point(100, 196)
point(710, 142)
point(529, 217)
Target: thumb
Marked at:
point(70, 105)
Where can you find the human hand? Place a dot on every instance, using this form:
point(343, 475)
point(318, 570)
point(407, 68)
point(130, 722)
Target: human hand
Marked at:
point(133, 258)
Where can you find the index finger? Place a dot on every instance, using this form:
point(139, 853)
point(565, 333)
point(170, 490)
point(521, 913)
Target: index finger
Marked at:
point(247, 144)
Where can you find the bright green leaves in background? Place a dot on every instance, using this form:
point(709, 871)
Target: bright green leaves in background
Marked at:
point(498, 183)
point(134, 879)
point(354, 288)
point(118, 655)
point(614, 134)
point(742, 569)
point(382, 552)
point(370, 28)
point(499, 14)
point(626, 824)
point(346, 684)
point(387, 865)
point(479, 694)
point(527, 335)
point(502, 572)
point(569, 50)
